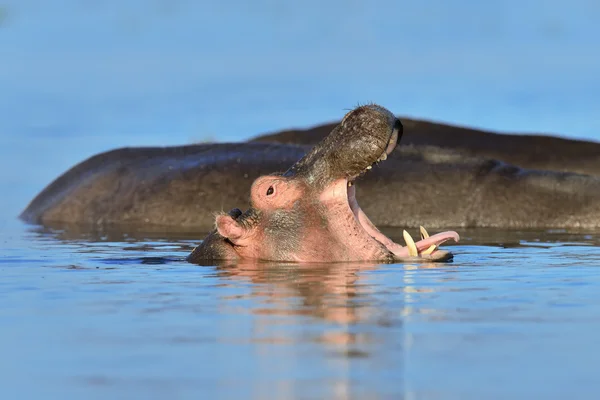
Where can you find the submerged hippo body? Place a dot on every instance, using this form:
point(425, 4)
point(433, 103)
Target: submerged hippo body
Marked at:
point(181, 188)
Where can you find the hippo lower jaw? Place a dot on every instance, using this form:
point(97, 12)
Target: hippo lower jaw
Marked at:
point(426, 249)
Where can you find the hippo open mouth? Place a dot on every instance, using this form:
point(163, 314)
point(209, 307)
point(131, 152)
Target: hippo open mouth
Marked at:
point(427, 248)
point(310, 212)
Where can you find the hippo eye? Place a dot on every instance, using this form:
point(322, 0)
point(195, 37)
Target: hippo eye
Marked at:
point(270, 191)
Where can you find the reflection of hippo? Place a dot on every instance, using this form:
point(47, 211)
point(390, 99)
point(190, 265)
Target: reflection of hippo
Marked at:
point(459, 184)
point(325, 290)
point(310, 213)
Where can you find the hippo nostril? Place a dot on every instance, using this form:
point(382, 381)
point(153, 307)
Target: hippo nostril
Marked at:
point(270, 191)
point(235, 213)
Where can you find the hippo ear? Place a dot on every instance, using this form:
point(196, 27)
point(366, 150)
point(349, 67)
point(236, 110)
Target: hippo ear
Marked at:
point(229, 228)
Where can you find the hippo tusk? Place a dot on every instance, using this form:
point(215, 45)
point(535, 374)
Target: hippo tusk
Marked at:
point(410, 243)
point(430, 250)
point(425, 235)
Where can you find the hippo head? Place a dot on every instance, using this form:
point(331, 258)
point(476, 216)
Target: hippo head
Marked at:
point(310, 212)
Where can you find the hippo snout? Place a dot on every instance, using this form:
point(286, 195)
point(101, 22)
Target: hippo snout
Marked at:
point(366, 135)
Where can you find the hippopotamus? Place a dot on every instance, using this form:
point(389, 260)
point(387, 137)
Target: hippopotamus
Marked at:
point(452, 178)
point(310, 212)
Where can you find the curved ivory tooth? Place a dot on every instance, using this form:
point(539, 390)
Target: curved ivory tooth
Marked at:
point(424, 234)
point(410, 243)
point(430, 250)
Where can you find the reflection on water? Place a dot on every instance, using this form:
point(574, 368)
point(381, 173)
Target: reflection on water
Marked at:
point(110, 314)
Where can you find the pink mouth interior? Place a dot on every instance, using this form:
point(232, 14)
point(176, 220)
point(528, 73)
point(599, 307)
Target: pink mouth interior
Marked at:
point(397, 249)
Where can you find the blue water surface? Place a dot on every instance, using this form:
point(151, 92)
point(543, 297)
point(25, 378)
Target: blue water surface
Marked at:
point(98, 318)
point(121, 315)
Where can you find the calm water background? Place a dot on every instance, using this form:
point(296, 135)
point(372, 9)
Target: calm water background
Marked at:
point(122, 316)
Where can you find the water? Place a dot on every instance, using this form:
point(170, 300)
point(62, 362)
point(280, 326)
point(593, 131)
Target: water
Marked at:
point(121, 315)
point(516, 315)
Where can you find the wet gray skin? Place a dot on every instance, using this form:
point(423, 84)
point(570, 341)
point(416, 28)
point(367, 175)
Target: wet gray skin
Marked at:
point(468, 182)
point(352, 146)
point(532, 151)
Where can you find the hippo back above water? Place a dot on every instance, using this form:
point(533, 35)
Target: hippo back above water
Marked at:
point(180, 188)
